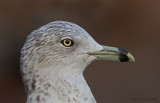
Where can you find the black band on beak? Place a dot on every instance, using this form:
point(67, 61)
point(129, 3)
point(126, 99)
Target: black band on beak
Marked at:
point(123, 55)
point(123, 58)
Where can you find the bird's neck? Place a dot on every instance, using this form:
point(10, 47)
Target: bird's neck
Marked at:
point(60, 87)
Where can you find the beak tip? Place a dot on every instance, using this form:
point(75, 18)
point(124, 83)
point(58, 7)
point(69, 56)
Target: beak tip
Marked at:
point(126, 57)
point(131, 58)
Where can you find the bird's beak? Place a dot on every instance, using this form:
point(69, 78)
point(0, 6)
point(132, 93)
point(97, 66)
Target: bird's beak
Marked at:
point(113, 53)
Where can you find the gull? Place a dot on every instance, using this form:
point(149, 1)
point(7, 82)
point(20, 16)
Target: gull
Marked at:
point(53, 59)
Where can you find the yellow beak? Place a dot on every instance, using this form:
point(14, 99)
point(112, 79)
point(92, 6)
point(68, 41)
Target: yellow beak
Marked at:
point(113, 53)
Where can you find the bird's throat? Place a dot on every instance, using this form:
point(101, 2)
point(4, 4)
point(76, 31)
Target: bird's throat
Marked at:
point(60, 89)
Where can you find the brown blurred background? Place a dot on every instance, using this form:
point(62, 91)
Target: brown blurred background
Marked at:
point(130, 24)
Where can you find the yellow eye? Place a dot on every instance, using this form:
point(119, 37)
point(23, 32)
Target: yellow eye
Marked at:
point(67, 42)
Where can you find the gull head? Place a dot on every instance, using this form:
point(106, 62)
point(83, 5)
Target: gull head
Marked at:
point(64, 43)
point(62, 48)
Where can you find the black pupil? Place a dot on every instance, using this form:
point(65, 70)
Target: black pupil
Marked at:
point(67, 41)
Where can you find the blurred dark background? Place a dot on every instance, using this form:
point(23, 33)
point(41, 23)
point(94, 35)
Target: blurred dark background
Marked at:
point(130, 24)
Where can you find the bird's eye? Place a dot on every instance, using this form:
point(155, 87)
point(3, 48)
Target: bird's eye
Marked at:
point(67, 42)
